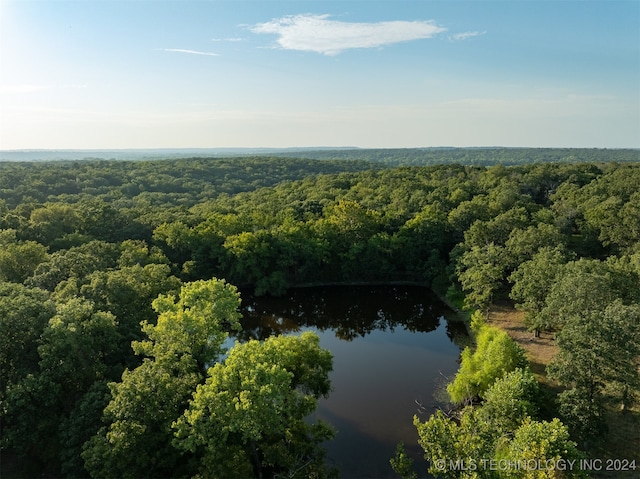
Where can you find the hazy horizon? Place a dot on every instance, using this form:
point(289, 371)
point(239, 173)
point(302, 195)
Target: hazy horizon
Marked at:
point(117, 75)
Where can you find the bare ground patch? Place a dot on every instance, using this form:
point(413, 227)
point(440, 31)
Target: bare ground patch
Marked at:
point(540, 350)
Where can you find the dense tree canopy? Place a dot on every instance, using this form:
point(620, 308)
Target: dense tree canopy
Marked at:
point(249, 416)
point(187, 338)
point(108, 315)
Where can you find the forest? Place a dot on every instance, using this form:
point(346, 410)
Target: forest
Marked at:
point(121, 282)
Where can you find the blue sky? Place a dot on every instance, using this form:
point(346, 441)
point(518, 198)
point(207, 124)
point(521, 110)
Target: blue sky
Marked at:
point(379, 74)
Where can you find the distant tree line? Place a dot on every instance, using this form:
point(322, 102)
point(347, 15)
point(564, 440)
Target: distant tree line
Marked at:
point(486, 156)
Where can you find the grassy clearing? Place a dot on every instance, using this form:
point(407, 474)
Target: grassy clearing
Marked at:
point(540, 350)
point(623, 440)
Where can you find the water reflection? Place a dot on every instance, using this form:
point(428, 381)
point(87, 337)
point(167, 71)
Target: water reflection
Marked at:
point(350, 311)
point(392, 347)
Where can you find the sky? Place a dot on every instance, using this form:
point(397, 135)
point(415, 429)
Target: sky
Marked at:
point(102, 74)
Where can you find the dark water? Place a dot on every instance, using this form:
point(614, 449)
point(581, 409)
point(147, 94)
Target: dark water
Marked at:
point(392, 347)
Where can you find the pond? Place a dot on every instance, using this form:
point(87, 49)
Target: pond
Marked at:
point(393, 348)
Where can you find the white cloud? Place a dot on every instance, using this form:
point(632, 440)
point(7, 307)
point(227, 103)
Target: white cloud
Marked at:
point(192, 52)
point(465, 35)
point(317, 33)
point(229, 39)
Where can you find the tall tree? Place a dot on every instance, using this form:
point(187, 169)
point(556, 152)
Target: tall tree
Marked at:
point(598, 350)
point(249, 418)
point(128, 292)
point(19, 259)
point(580, 287)
point(495, 354)
point(187, 339)
point(24, 314)
point(532, 282)
point(510, 399)
point(79, 350)
point(50, 223)
point(547, 446)
point(481, 272)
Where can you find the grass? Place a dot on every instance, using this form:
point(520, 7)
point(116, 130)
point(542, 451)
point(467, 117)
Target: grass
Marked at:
point(540, 351)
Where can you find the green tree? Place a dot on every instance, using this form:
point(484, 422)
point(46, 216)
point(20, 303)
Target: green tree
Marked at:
point(610, 206)
point(532, 282)
point(19, 259)
point(346, 228)
point(580, 287)
point(545, 443)
point(495, 354)
point(420, 245)
point(195, 324)
point(467, 213)
point(77, 262)
point(628, 231)
point(248, 419)
point(100, 220)
point(258, 259)
point(24, 314)
point(481, 272)
point(446, 440)
point(187, 339)
point(128, 293)
point(509, 400)
point(497, 230)
point(138, 252)
point(136, 442)
point(52, 222)
point(489, 438)
point(178, 240)
point(598, 354)
point(524, 243)
point(402, 463)
point(79, 349)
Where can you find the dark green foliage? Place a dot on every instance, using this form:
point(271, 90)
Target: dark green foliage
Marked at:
point(137, 440)
point(78, 351)
point(127, 292)
point(164, 420)
point(188, 337)
point(19, 259)
point(510, 399)
point(160, 182)
point(87, 245)
point(402, 223)
point(75, 263)
point(598, 352)
point(53, 224)
point(24, 314)
point(583, 287)
point(533, 280)
point(469, 156)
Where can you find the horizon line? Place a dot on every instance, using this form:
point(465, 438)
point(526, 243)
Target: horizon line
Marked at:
point(330, 147)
